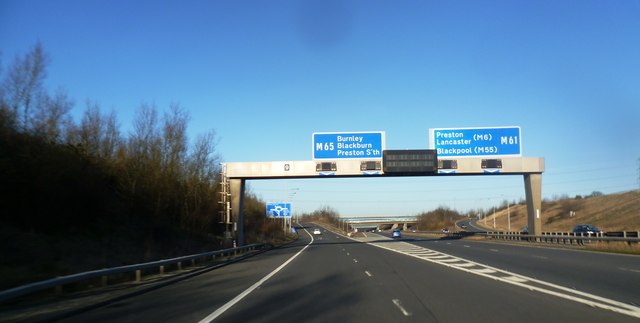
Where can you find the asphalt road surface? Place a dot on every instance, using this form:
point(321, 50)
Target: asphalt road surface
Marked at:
point(331, 278)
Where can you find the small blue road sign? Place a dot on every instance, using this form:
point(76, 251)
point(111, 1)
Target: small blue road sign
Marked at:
point(348, 145)
point(278, 210)
point(476, 142)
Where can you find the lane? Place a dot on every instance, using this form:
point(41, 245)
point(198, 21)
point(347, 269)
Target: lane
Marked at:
point(346, 281)
point(339, 279)
point(614, 276)
point(324, 284)
point(193, 299)
point(469, 225)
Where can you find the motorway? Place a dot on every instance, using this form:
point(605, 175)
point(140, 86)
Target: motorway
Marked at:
point(470, 226)
point(373, 278)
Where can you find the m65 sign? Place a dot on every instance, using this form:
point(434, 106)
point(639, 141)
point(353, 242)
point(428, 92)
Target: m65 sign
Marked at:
point(348, 145)
point(476, 142)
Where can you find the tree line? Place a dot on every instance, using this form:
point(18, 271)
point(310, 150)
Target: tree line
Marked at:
point(81, 194)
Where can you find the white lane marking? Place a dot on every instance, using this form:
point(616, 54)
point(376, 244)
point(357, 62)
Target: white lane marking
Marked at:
point(527, 282)
point(494, 250)
point(467, 246)
point(248, 291)
point(631, 270)
point(364, 234)
point(368, 273)
point(516, 279)
point(348, 254)
point(355, 260)
point(399, 305)
point(465, 265)
point(484, 271)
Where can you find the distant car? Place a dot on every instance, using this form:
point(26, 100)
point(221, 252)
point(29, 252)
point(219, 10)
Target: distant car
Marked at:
point(525, 230)
point(317, 231)
point(586, 228)
point(396, 234)
point(464, 226)
point(445, 230)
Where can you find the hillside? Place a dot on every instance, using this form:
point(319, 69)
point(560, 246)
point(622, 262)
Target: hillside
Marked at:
point(614, 212)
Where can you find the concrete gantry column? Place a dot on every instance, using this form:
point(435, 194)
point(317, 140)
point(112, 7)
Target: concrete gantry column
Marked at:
point(533, 191)
point(237, 207)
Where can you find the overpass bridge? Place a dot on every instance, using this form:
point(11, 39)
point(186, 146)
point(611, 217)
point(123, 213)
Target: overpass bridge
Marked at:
point(377, 222)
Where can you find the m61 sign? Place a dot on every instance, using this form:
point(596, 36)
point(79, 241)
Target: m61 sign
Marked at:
point(476, 142)
point(348, 145)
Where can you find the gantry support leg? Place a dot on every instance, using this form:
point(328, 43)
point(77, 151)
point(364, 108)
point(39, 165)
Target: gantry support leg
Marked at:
point(237, 208)
point(533, 191)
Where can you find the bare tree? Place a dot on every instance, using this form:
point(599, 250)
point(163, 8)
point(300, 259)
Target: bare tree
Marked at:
point(144, 142)
point(174, 140)
point(200, 201)
point(142, 149)
point(51, 116)
point(23, 83)
point(98, 134)
point(203, 160)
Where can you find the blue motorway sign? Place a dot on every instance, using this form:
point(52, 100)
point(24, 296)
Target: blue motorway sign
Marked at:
point(278, 210)
point(348, 145)
point(476, 142)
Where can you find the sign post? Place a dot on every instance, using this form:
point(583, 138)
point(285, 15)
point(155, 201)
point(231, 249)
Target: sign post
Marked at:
point(348, 145)
point(476, 142)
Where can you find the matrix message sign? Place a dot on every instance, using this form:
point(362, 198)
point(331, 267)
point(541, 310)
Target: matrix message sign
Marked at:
point(348, 145)
point(476, 142)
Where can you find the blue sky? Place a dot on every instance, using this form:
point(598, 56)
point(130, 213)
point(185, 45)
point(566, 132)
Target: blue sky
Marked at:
point(265, 75)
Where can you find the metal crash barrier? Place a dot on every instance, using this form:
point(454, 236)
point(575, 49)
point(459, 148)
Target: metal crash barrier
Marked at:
point(178, 262)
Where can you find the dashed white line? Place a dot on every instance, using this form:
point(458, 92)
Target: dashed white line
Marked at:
point(399, 306)
point(368, 273)
point(355, 260)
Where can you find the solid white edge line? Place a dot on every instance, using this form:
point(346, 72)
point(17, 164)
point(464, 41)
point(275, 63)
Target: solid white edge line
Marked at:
point(248, 291)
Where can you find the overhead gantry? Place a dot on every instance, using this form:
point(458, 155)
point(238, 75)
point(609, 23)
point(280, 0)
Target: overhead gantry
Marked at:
point(531, 168)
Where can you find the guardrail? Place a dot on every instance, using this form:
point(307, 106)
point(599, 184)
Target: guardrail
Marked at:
point(568, 237)
point(13, 293)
